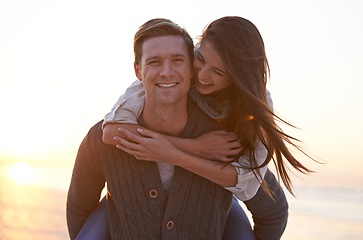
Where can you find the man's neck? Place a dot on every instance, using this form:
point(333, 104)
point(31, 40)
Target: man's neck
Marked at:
point(165, 119)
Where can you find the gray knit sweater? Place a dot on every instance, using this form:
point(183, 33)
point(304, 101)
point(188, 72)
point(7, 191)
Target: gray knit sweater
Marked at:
point(138, 205)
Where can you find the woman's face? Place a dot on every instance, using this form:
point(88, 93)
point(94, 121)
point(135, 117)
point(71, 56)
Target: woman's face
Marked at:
point(210, 71)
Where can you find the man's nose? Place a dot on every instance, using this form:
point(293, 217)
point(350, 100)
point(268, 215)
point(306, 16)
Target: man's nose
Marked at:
point(166, 69)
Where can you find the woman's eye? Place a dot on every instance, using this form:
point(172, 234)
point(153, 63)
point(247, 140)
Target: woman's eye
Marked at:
point(200, 58)
point(218, 72)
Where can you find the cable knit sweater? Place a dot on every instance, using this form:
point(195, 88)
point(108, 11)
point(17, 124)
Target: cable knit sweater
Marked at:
point(138, 205)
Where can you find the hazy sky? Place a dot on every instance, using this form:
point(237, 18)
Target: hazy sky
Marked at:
point(63, 64)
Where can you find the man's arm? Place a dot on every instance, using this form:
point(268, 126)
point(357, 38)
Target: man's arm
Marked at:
point(269, 215)
point(86, 184)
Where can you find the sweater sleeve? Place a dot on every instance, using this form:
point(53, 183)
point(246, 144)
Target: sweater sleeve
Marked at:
point(87, 182)
point(269, 215)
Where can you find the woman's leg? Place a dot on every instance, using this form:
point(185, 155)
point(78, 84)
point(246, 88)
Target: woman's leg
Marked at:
point(96, 225)
point(238, 226)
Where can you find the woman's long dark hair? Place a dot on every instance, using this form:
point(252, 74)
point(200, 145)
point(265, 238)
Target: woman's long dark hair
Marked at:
point(242, 51)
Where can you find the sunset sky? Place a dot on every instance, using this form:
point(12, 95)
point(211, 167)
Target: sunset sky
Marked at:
point(63, 64)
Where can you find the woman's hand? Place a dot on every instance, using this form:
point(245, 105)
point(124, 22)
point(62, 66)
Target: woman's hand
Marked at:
point(151, 146)
point(217, 145)
point(148, 145)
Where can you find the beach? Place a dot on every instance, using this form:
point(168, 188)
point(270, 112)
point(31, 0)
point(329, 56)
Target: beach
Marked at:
point(325, 213)
point(36, 211)
point(33, 211)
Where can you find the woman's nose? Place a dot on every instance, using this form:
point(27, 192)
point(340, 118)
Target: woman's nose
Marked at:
point(202, 73)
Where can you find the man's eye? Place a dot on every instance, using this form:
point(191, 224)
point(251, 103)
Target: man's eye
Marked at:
point(153, 62)
point(178, 60)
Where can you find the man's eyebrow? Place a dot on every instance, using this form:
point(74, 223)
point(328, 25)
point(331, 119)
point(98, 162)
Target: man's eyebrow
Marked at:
point(174, 55)
point(152, 57)
point(180, 54)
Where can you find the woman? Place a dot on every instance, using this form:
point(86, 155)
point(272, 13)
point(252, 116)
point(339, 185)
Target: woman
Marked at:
point(231, 74)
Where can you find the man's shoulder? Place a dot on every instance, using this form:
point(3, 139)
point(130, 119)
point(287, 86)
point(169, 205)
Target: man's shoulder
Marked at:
point(93, 143)
point(96, 129)
point(198, 122)
point(194, 111)
point(94, 134)
point(198, 115)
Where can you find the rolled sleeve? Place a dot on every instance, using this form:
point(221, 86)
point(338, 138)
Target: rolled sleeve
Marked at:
point(128, 107)
point(248, 182)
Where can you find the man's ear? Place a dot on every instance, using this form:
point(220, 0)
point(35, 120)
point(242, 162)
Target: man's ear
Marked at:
point(137, 71)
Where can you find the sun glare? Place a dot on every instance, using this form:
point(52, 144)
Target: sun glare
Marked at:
point(22, 173)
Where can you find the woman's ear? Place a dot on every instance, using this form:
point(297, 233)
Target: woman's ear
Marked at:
point(137, 71)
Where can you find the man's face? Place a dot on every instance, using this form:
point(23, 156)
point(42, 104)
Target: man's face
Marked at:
point(165, 70)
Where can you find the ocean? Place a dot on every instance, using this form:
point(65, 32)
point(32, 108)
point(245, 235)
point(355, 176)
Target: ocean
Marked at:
point(35, 210)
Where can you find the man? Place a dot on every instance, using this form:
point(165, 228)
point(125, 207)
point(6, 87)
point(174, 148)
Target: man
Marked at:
point(144, 203)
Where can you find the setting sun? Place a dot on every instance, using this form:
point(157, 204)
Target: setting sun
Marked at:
point(22, 173)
